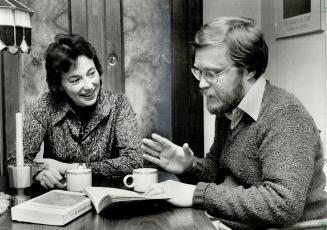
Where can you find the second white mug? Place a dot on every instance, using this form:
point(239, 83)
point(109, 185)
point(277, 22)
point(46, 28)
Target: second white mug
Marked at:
point(141, 179)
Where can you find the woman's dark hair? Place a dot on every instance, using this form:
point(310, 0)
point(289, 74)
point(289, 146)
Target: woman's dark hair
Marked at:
point(62, 54)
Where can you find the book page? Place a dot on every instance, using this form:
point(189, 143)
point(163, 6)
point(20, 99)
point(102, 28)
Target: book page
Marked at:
point(101, 191)
point(104, 196)
point(98, 194)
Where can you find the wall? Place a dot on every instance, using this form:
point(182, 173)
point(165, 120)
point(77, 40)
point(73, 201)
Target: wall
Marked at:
point(50, 18)
point(147, 57)
point(298, 64)
point(148, 63)
point(218, 8)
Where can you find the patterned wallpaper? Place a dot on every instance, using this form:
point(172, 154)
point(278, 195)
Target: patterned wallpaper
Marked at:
point(147, 57)
point(49, 18)
point(147, 63)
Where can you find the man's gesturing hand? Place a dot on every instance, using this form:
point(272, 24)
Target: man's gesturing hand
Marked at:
point(167, 155)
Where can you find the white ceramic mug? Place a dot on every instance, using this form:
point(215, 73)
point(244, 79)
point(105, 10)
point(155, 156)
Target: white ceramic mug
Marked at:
point(79, 178)
point(141, 179)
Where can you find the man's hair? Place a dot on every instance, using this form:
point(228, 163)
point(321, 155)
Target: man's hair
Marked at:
point(244, 40)
point(62, 54)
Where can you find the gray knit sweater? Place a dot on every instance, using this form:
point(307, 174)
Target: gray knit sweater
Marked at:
point(264, 173)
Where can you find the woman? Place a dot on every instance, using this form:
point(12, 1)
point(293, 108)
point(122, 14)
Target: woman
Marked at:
point(77, 120)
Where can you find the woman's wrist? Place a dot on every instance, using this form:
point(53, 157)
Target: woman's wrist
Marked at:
point(73, 166)
point(68, 166)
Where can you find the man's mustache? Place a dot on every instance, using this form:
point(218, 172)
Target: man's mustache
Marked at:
point(203, 92)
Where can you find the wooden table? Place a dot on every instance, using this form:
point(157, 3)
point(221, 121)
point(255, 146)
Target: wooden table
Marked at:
point(139, 215)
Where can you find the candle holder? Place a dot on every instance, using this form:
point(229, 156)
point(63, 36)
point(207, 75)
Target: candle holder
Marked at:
point(20, 177)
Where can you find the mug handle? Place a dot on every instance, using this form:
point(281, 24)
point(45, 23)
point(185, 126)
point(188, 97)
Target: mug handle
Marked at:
point(125, 181)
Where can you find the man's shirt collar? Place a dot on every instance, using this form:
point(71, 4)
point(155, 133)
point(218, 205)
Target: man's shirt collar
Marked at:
point(250, 104)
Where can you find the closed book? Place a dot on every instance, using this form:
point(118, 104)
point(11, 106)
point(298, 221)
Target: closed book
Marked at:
point(56, 207)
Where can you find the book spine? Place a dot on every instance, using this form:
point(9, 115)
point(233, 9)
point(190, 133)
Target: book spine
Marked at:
point(38, 217)
point(78, 211)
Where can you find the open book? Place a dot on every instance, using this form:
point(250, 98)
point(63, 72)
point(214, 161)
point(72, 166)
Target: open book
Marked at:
point(58, 207)
point(103, 197)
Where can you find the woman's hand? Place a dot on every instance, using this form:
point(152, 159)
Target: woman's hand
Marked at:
point(181, 194)
point(50, 178)
point(167, 155)
point(48, 163)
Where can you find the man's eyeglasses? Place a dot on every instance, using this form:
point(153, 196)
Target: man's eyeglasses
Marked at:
point(210, 75)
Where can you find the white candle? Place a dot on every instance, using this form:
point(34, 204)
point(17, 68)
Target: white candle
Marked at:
point(19, 140)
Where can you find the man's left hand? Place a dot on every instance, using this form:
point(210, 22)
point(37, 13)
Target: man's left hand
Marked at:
point(181, 194)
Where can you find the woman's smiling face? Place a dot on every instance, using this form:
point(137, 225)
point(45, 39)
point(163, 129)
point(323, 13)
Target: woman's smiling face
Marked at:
point(82, 82)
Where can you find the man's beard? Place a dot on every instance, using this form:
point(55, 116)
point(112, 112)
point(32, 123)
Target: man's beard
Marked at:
point(230, 102)
point(218, 111)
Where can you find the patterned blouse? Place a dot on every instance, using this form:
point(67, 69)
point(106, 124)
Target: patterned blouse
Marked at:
point(109, 143)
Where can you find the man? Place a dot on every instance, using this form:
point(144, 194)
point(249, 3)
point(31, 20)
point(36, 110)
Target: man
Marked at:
point(264, 168)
